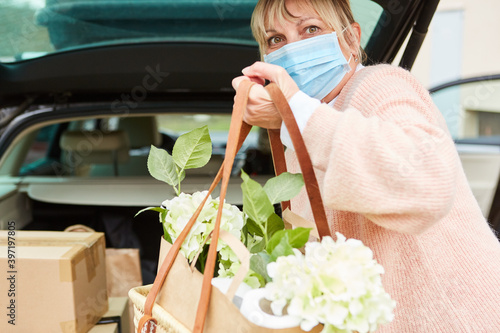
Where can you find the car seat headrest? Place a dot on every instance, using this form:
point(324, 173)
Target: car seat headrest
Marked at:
point(142, 131)
point(95, 147)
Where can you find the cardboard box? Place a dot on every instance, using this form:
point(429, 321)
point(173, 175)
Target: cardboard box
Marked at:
point(118, 314)
point(105, 328)
point(56, 281)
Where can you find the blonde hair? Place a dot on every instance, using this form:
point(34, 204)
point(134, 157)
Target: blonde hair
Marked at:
point(336, 14)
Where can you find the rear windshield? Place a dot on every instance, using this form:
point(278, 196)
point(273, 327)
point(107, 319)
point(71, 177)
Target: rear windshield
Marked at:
point(34, 28)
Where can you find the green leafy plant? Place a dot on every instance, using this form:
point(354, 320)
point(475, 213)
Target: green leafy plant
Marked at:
point(191, 150)
point(265, 226)
point(262, 230)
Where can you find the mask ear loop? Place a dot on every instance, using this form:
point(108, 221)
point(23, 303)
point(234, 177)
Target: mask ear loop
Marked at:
point(355, 58)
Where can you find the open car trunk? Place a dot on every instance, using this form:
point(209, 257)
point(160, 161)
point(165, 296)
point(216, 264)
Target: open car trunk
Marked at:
point(113, 60)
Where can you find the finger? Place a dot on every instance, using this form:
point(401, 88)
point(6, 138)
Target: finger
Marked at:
point(257, 79)
point(264, 70)
point(237, 80)
point(274, 74)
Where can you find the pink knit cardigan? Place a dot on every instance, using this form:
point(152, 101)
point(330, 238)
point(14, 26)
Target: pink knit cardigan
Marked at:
point(390, 176)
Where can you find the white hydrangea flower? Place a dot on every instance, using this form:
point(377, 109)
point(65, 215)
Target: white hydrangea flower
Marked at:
point(181, 209)
point(336, 283)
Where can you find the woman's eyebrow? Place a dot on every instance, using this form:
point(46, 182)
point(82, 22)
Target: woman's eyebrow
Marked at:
point(304, 19)
point(299, 22)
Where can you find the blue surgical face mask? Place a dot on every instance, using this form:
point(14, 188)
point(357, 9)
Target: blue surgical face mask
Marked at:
point(316, 64)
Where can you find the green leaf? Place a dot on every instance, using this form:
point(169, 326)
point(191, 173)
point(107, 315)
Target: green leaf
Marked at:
point(275, 240)
point(166, 235)
point(298, 237)
point(284, 187)
point(156, 209)
point(282, 248)
point(260, 246)
point(274, 224)
point(251, 274)
point(284, 240)
point(245, 234)
point(256, 204)
point(254, 228)
point(163, 215)
point(258, 264)
point(193, 149)
point(162, 167)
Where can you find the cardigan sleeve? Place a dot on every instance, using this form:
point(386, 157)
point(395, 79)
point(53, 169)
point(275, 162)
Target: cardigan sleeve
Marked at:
point(386, 154)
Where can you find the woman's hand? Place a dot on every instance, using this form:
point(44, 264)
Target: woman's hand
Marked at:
point(260, 109)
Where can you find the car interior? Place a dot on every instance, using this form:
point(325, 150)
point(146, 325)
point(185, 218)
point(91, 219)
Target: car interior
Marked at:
point(93, 171)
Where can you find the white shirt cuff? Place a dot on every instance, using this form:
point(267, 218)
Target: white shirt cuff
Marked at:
point(302, 106)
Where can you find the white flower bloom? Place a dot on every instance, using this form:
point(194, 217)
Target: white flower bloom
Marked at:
point(181, 209)
point(336, 283)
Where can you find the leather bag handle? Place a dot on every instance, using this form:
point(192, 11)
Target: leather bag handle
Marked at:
point(237, 133)
point(305, 163)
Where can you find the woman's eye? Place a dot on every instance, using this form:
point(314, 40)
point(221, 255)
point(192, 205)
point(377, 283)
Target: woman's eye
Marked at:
point(312, 30)
point(275, 40)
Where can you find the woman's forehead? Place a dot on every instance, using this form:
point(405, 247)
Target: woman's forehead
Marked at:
point(300, 7)
point(294, 11)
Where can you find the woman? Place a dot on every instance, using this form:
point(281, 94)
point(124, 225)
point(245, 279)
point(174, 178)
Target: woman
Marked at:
point(387, 167)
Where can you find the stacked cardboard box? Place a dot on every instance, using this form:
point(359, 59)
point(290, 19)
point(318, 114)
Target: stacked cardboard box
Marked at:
point(55, 281)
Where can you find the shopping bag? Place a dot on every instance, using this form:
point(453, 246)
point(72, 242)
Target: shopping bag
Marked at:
point(123, 271)
point(173, 303)
point(178, 300)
